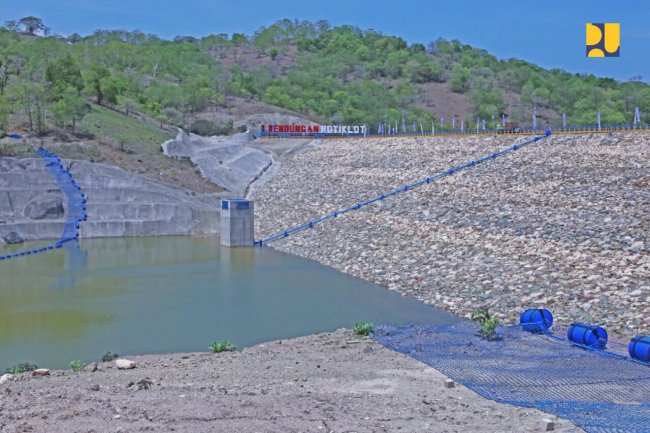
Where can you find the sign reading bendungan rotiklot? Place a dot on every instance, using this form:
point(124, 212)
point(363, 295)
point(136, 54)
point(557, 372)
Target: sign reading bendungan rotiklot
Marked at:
point(273, 130)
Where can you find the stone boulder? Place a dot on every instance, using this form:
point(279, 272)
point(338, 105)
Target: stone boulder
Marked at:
point(6, 378)
point(14, 238)
point(124, 364)
point(48, 206)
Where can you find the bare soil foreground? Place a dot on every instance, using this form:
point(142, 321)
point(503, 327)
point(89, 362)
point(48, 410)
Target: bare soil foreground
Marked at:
point(322, 383)
point(563, 223)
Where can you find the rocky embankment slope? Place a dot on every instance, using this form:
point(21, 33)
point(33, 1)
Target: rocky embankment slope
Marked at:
point(563, 223)
point(119, 203)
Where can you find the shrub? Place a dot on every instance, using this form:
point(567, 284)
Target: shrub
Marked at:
point(363, 328)
point(488, 323)
point(480, 315)
point(207, 128)
point(222, 346)
point(21, 367)
point(76, 365)
point(109, 356)
point(489, 329)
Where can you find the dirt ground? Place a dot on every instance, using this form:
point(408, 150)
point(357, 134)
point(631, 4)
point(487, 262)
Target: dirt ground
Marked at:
point(333, 382)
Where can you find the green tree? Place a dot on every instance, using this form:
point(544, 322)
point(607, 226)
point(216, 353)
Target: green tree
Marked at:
point(5, 73)
point(12, 26)
point(74, 38)
point(394, 64)
point(487, 103)
point(239, 39)
point(4, 113)
point(112, 87)
point(9, 65)
point(70, 107)
point(422, 71)
point(198, 96)
point(63, 74)
point(460, 79)
point(417, 48)
point(32, 24)
point(31, 96)
point(273, 53)
point(265, 38)
point(94, 80)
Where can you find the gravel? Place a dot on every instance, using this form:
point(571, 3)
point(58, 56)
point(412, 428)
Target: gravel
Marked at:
point(321, 383)
point(562, 223)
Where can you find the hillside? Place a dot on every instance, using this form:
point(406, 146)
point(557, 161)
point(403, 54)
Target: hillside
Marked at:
point(325, 73)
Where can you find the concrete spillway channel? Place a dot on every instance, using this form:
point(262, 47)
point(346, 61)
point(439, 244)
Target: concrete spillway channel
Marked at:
point(237, 162)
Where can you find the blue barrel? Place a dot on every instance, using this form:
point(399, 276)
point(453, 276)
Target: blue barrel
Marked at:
point(536, 320)
point(586, 335)
point(639, 349)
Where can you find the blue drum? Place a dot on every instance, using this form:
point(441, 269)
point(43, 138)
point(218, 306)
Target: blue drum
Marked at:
point(539, 320)
point(586, 335)
point(639, 349)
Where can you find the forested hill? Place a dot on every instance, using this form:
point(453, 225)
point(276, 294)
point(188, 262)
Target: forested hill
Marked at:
point(329, 74)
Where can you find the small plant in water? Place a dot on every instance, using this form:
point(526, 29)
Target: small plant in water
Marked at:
point(222, 346)
point(109, 356)
point(76, 365)
point(21, 367)
point(363, 328)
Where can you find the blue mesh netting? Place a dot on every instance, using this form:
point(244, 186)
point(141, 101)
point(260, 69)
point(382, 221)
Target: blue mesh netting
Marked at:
point(600, 391)
point(76, 205)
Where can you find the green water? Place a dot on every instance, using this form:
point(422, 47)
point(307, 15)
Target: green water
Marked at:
point(176, 294)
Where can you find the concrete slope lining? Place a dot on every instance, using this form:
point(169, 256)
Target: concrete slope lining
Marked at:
point(226, 161)
point(120, 203)
point(75, 202)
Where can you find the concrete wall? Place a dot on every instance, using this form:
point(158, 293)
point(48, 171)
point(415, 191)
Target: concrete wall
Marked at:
point(119, 203)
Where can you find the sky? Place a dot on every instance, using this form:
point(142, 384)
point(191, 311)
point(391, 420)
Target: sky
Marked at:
point(549, 33)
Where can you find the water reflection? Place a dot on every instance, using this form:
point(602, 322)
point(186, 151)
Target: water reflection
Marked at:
point(76, 260)
point(145, 295)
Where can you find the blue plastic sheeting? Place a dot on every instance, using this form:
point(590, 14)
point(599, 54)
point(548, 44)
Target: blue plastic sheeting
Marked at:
point(405, 188)
point(600, 391)
point(76, 205)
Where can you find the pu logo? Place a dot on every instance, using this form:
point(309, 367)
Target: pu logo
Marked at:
point(603, 39)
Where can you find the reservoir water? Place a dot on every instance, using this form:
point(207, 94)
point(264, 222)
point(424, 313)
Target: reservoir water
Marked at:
point(176, 294)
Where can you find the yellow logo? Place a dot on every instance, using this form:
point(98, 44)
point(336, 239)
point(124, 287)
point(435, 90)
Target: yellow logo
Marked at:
point(603, 39)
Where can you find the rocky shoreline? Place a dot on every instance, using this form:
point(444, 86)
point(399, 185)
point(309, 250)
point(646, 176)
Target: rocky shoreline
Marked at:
point(333, 382)
point(563, 223)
